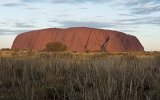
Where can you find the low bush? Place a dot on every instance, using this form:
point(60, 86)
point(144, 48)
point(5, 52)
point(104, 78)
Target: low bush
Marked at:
point(5, 49)
point(55, 47)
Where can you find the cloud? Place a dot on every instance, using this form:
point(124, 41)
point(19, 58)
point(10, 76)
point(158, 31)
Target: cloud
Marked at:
point(77, 1)
point(34, 0)
point(128, 30)
point(94, 24)
point(16, 28)
point(11, 32)
point(66, 1)
point(146, 9)
point(127, 15)
point(139, 7)
point(121, 23)
point(142, 20)
point(33, 8)
point(23, 25)
point(12, 4)
point(142, 7)
point(83, 8)
point(132, 23)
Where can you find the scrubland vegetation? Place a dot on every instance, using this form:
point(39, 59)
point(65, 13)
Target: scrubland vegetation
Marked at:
point(55, 46)
point(27, 75)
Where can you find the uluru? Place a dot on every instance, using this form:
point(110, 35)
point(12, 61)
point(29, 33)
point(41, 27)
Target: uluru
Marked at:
point(79, 39)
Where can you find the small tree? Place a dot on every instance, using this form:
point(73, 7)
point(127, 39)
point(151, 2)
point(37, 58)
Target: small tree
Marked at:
point(55, 47)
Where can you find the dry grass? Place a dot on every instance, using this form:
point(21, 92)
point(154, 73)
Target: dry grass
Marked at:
point(80, 76)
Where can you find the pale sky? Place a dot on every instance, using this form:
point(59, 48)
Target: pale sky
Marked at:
point(140, 18)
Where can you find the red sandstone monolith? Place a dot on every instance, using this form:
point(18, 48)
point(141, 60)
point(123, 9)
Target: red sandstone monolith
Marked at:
point(78, 39)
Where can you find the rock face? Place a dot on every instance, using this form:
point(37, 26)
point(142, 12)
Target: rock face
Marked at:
point(78, 39)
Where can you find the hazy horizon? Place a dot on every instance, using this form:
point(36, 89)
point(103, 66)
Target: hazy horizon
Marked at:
point(140, 18)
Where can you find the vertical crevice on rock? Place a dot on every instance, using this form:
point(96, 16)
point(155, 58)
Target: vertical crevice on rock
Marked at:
point(103, 46)
point(56, 35)
point(80, 41)
point(74, 39)
point(88, 40)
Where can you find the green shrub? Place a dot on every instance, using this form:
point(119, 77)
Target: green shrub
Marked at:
point(55, 47)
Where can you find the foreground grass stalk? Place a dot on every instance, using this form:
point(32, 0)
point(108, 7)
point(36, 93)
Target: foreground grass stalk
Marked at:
point(61, 76)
